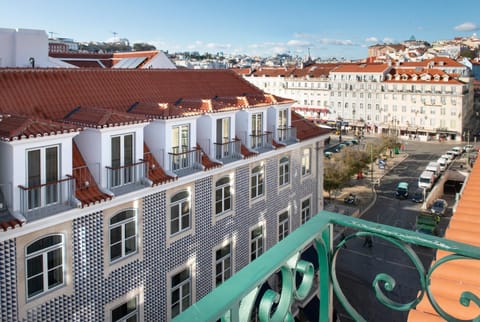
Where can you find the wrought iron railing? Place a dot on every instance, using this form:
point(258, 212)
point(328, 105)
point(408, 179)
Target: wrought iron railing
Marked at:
point(235, 299)
point(287, 134)
point(184, 160)
point(261, 140)
point(227, 150)
point(48, 198)
point(126, 174)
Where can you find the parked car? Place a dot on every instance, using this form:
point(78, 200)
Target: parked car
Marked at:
point(354, 142)
point(468, 148)
point(402, 190)
point(458, 150)
point(439, 207)
point(447, 157)
point(451, 153)
point(418, 195)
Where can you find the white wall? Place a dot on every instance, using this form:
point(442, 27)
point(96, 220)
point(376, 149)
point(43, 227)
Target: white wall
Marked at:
point(7, 50)
point(6, 170)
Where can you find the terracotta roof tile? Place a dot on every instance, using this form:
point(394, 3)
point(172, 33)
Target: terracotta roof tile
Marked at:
point(15, 127)
point(100, 117)
point(86, 189)
point(361, 68)
point(7, 221)
point(306, 129)
point(155, 171)
point(246, 152)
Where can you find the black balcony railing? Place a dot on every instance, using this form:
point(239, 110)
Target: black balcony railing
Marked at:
point(260, 141)
point(286, 134)
point(126, 175)
point(48, 198)
point(228, 150)
point(184, 160)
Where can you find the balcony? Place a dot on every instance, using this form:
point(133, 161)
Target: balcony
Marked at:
point(127, 178)
point(286, 135)
point(244, 294)
point(46, 199)
point(261, 142)
point(185, 162)
point(228, 151)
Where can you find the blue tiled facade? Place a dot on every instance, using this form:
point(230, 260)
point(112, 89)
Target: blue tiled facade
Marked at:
point(93, 289)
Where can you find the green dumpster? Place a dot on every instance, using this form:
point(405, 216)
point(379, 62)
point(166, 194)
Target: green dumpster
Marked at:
point(396, 150)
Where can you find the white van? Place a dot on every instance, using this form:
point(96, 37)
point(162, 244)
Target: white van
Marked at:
point(443, 164)
point(435, 168)
point(458, 150)
point(426, 180)
point(447, 157)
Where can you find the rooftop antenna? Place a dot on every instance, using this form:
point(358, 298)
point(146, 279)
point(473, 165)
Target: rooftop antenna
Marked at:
point(114, 36)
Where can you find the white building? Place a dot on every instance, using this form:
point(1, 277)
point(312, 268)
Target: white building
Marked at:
point(133, 193)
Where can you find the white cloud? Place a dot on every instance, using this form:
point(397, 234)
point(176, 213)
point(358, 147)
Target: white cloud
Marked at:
point(218, 46)
point(388, 40)
point(336, 42)
point(467, 26)
point(372, 39)
point(299, 43)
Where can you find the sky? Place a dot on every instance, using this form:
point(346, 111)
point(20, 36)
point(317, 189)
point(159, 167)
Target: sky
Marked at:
point(325, 29)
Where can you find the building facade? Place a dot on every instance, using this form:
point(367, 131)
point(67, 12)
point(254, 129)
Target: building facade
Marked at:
point(131, 194)
point(430, 100)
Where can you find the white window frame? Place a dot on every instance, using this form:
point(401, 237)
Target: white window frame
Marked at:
point(179, 204)
point(223, 266)
point(123, 239)
point(306, 162)
point(284, 172)
point(224, 189)
point(307, 211)
point(130, 314)
point(125, 175)
point(283, 228)
point(172, 237)
point(41, 194)
point(171, 288)
point(258, 241)
point(259, 177)
point(44, 274)
point(137, 294)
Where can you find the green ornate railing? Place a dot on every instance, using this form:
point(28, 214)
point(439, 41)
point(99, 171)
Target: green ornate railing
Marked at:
point(235, 299)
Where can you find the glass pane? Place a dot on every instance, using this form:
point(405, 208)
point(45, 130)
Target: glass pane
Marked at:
point(54, 258)
point(55, 277)
point(218, 207)
point(122, 216)
point(175, 310)
point(175, 295)
point(44, 243)
point(174, 225)
point(130, 245)
point(33, 168)
point(130, 229)
point(51, 164)
point(185, 302)
point(116, 152)
point(185, 221)
point(133, 318)
point(34, 266)
point(115, 251)
point(115, 234)
point(35, 285)
point(128, 149)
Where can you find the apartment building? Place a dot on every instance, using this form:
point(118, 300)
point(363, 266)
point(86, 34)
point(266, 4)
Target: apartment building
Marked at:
point(130, 194)
point(428, 100)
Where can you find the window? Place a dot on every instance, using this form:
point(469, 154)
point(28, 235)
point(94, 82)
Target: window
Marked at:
point(45, 265)
point(257, 130)
point(180, 145)
point(43, 167)
point(256, 242)
point(283, 124)
point(181, 292)
point(284, 171)
point(127, 312)
point(306, 168)
point(123, 234)
point(122, 156)
point(283, 225)
point(223, 197)
point(223, 264)
point(223, 130)
point(180, 212)
point(257, 182)
point(306, 211)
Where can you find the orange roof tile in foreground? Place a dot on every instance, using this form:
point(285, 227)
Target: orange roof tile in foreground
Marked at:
point(155, 171)
point(306, 129)
point(452, 278)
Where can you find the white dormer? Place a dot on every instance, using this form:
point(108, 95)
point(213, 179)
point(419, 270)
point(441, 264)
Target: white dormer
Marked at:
point(251, 128)
point(280, 124)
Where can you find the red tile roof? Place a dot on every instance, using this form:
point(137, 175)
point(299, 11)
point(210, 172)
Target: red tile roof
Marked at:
point(7, 221)
point(155, 171)
point(306, 129)
point(15, 127)
point(53, 93)
point(86, 189)
point(361, 68)
point(207, 162)
point(101, 117)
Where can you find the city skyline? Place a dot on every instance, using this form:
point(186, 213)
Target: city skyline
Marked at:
point(336, 29)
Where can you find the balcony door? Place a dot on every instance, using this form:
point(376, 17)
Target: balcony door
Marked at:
point(282, 125)
point(122, 159)
point(257, 130)
point(181, 146)
point(42, 173)
point(223, 136)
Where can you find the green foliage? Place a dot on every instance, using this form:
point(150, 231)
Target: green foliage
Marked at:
point(143, 47)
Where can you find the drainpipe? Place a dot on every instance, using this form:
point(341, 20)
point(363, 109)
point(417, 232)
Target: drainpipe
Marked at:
point(319, 171)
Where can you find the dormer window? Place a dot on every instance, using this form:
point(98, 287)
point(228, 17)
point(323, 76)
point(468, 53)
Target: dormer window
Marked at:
point(257, 130)
point(43, 169)
point(122, 160)
point(225, 146)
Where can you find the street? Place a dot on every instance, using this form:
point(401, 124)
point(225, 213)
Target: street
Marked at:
point(358, 265)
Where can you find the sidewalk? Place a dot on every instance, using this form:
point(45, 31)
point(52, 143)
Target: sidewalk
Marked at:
point(362, 188)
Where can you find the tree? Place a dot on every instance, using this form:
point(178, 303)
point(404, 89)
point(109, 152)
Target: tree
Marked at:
point(143, 47)
point(335, 175)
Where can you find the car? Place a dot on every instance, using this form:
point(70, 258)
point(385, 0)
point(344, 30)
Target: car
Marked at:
point(354, 142)
point(402, 190)
point(418, 195)
point(451, 153)
point(457, 150)
point(328, 154)
point(439, 207)
point(347, 143)
point(447, 157)
point(468, 148)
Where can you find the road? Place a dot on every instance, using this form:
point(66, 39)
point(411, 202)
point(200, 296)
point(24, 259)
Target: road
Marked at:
point(357, 265)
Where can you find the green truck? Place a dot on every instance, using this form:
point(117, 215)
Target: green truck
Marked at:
point(427, 223)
